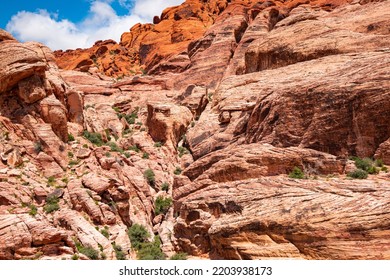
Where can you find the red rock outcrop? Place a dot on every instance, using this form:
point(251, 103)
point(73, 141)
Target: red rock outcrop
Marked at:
point(179, 33)
point(242, 93)
point(273, 217)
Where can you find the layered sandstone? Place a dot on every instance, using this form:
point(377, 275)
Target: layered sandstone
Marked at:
point(241, 94)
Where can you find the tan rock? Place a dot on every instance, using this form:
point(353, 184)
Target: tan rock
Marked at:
point(48, 165)
point(5, 36)
point(75, 105)
point(97, 183)
point(31, 89)
point(383, 152)
point(18, 62)
point(83, 153)
point(54, 112)
point(24, 231)
point(167, 122)
point(276, 217)
point(82, 200)
point(85, 232)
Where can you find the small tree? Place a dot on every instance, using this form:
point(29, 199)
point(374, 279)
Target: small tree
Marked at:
point(358, 174)
point(161, 205)
point(138, 235)
point(165, 186)
point(296, 173)
point(150, 177)
point(179, 256)
point(177, 171)
point(151, 250)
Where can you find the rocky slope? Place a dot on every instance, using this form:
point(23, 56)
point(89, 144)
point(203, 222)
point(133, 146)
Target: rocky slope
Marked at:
point(238, 94)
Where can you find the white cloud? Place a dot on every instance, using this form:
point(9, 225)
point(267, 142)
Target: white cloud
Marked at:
point(102, 22)
point(147, 9)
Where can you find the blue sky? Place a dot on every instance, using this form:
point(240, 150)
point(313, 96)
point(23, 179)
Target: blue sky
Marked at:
point(71, 24)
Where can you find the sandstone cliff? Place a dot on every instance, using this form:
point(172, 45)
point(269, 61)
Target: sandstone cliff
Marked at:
point(234, 96)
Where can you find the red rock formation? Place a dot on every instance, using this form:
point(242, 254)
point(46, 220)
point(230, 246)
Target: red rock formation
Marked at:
point(169, 44)
point(242, 92)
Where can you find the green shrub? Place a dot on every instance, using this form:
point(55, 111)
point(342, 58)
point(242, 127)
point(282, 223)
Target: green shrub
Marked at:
point(126, 131)
point(379, 163)
point(366, 164)
point(73, 162)
point(120, 255)
point(70, 154)
point(70, 137)
point(177, 171)
point(127, 154)
point(33, 210)
point(182, 151)
point(114, 147)
point(38, 147)
point(105, 233)
point(151, 250)
point(75, 257)
point(138, 235)
point(89, 252)
point(358, 174)
point(161, 205)
point(108, 136)
point(51, 180)
point(150, 177)
point(145, 156)
point(94, 138)
point(384, 169)
point(134, 148)
point(130, 118)
point(296, 173)
point(179, 256)
point(158, 144)
point(51, 204)
point(165, 186)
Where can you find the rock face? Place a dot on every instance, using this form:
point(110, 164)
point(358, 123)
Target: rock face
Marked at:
point(244, 113)
point(168, 122)
point(273, 217)
point(279, 89)
point(148, 44)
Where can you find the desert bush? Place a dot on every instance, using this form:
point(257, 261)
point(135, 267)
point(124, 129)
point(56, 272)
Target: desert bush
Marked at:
point(161, 205)
point(358, 174)
point(165, 186)
point(38, 147)
point(182, 151)
point(114, 147)
point(94, 138)
point(51, 204)
point(120, 255)
point(366, 164)
point(296, 173)
point(89, 252)
point(179, 256)
point(150, 177)
point(70, 137)
point(151, 250)
point(145, 156)
point(33, 210)
point(138, 235)
point(177, 171)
